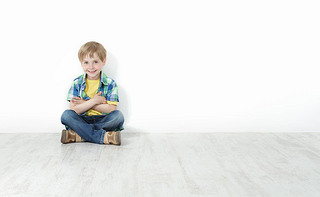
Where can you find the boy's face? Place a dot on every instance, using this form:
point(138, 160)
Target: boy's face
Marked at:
point(92, 66)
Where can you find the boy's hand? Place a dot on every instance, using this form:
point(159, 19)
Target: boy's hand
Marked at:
point(77, 100)
point(98, 99)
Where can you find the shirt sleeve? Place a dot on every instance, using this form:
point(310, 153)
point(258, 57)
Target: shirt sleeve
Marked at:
point(73, 91)
point(112, 94)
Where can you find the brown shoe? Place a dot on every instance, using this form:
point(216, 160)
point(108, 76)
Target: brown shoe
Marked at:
point(70, 136)
point(112, 137)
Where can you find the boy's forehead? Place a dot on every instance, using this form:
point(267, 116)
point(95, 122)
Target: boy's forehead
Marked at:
point(87, 57)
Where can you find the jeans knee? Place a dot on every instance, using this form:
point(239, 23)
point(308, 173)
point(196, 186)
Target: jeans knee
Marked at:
point(66, 115)
point(119, 116)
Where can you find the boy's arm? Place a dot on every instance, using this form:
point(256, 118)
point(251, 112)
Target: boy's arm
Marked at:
point(111, 95)
point(85, 106)
point(105, 108)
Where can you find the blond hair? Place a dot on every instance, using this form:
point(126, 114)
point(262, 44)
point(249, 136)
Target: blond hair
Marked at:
point(90, 48)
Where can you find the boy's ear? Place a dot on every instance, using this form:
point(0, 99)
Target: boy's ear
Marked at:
point(104, 62)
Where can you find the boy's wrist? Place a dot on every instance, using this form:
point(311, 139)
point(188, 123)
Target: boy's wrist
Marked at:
point(94, 101)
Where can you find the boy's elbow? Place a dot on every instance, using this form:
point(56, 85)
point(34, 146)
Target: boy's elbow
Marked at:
point(75, 110)
point(113, 107)
point(110, 108)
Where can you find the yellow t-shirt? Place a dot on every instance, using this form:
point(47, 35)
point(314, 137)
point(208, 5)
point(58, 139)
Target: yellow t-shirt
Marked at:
point(91, 90)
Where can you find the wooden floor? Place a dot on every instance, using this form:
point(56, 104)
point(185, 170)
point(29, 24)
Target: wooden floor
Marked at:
point(198, 164)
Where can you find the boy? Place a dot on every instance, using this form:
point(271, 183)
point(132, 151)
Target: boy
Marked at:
point(93, 97)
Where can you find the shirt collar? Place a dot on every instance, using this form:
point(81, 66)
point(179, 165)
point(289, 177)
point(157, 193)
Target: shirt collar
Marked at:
point(103, 78)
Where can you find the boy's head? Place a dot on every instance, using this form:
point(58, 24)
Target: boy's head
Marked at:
point(92, 56)
point(90, 48)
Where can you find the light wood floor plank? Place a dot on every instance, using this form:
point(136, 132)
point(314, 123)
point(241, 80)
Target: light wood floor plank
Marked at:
point(168, 164)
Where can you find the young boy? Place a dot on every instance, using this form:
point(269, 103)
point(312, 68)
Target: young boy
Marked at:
point(93, 97)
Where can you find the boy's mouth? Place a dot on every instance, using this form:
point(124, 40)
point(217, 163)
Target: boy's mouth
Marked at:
point(92, 71)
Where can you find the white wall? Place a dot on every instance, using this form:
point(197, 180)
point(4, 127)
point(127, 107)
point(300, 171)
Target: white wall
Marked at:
point(181, 66)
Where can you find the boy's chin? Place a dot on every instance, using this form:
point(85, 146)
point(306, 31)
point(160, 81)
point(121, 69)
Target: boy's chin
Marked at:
point(93, 75)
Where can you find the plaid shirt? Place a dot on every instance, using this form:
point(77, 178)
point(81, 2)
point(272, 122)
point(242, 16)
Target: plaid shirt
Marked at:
point(107, 86)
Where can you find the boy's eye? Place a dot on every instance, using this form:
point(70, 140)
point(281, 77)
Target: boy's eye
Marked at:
point(95, 62)
point(85, 62)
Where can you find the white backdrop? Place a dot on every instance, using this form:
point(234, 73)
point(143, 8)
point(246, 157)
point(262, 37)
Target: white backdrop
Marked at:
point(181, 66)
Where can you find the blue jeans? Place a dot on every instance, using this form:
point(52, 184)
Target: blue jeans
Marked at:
point(93, 128)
